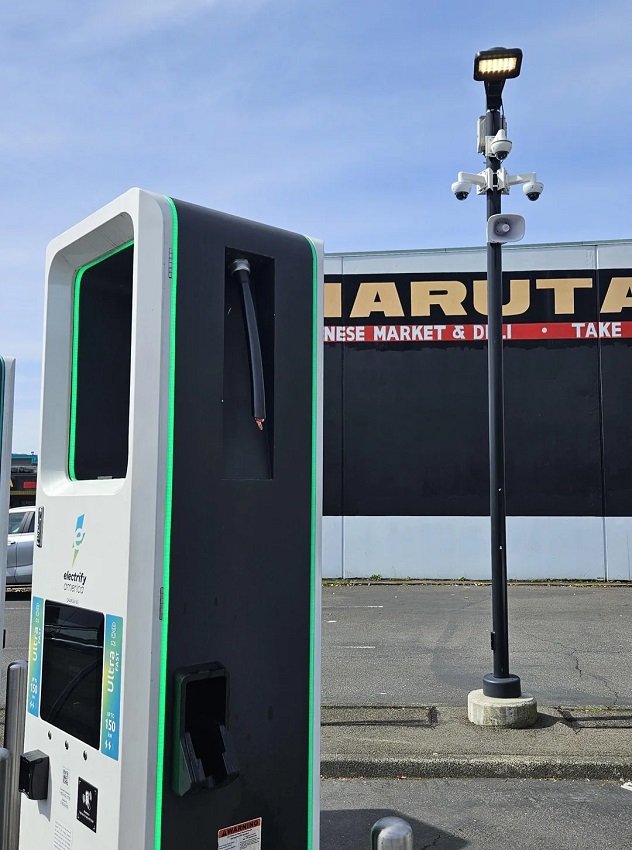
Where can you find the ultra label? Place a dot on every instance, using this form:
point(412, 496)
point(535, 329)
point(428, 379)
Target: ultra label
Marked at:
point(35, 655)
point(112, 674)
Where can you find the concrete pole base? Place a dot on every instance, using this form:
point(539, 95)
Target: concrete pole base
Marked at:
point(513, 713)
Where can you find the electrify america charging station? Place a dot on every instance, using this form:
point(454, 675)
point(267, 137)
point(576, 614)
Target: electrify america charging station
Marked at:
point(7, 380)
point(174, 660)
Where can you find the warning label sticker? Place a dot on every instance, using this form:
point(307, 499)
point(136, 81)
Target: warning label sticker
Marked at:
point(242, 836)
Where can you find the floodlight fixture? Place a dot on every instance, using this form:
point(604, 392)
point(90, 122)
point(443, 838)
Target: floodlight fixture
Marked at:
point(499, 63)
point(495, 66)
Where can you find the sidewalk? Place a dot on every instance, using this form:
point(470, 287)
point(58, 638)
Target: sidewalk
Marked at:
point(440, 742)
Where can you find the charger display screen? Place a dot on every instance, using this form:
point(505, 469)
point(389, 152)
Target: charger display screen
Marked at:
point(72, 670)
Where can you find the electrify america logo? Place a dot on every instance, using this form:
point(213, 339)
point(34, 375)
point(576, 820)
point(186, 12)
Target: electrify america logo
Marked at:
point(75, 582)
point(79, 537)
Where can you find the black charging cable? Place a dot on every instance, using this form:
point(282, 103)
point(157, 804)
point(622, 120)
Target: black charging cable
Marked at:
point(240, 269)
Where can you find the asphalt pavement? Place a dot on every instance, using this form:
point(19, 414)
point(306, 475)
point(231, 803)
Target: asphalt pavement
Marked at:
point(400, 660)
point(480, 814)
point(398, 663)
point(411, 644)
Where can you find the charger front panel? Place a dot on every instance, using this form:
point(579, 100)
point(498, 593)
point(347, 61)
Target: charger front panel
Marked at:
point(93, 670)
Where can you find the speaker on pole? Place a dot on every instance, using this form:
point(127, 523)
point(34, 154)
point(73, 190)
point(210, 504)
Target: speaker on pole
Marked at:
point(505, 227)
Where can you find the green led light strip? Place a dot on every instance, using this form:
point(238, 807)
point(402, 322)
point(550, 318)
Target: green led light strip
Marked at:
point(314, 589)
point(162, 700)
point(75, 354)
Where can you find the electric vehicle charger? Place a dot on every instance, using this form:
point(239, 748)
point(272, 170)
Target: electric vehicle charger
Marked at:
point(174, 662)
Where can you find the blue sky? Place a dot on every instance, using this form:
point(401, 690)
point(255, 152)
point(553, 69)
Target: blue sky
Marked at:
point(343, 120)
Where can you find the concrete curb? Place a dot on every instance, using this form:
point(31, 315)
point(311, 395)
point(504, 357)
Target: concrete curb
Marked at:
point(476, 767)
point(434, 742)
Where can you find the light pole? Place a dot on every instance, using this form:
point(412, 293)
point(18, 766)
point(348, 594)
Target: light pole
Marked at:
point(494, 67)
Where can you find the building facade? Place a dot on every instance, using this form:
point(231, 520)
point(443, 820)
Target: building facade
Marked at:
point(406, 439)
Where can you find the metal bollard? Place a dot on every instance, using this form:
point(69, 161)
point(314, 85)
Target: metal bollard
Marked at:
point(14, 720)
point(391, 834)
point(5, 767)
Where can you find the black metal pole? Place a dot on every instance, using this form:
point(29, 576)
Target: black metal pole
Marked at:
point(500, 683)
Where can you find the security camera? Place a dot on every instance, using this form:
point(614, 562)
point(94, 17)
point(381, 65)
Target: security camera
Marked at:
point(461, 189)
point(500, 146)
point(533, 189)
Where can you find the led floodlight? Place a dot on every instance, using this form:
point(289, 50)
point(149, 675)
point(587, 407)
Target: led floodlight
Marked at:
point(498, 63)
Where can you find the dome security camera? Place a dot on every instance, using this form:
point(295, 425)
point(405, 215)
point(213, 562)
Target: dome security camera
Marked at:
point(500, 146)
point(533, 189)
point(461, 189)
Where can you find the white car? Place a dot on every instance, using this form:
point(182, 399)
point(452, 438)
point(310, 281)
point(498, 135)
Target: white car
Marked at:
point(20, 546)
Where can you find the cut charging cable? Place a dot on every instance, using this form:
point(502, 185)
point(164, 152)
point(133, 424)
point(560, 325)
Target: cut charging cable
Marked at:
point(240, 269)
